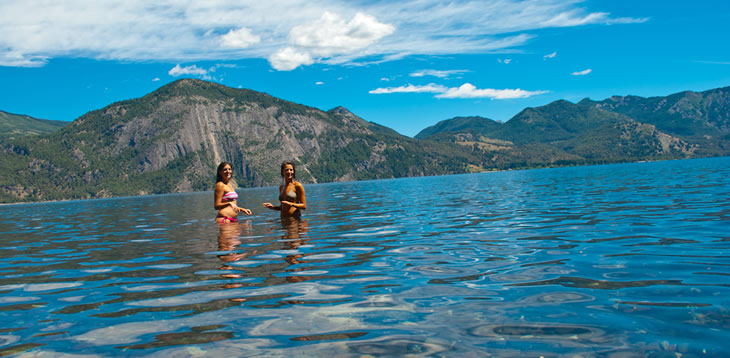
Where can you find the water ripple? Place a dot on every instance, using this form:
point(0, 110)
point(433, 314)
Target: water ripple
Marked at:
point(615, 260)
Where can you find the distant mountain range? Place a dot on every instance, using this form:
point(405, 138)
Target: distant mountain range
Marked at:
point(172, 139)
point(682, 125)
point(17, 125)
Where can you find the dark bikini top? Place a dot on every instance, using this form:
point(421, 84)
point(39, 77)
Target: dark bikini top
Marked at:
point(291, 195)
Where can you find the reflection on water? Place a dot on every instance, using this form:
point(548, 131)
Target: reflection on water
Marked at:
point(615, 261)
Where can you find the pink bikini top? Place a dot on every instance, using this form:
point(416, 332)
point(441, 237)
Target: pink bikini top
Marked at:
point(230, 196)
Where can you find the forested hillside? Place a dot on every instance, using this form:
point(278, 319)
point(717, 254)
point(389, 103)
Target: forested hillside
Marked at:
point(172, 139)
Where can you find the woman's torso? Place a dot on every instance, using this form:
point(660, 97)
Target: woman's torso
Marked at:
point(229, 195)
point(288, 192)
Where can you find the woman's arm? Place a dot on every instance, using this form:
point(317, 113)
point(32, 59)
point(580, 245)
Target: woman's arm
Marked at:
point(272, 207)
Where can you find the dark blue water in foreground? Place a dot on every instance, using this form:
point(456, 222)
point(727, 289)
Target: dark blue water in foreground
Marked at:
point(607, 261)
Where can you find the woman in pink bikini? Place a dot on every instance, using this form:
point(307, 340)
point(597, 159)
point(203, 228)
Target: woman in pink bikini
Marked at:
point(291, 194)
point(225, 196)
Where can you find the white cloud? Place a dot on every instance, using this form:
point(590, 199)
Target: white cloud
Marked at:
point(221, 65)
point(178, 71)
point(156, 79)
point(573, 18)
point(627, 20)
point(18, 59)
point(195, 71)
point(550, 55)
point(467, 90)
point(240, 38)
point(429, 88)
point(331, 35)
point(319, 83)
point(317, 31)
point(288, 59)
point(582, 73)
point(506, 61)
point(330, 38)
point(437, 73)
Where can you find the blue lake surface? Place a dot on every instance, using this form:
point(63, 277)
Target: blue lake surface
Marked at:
point(599, 261)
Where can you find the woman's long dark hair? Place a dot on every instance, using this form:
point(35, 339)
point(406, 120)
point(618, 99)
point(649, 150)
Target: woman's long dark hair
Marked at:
point(218, 176)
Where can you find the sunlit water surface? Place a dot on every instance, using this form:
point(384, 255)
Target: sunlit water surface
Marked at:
point(609, 261)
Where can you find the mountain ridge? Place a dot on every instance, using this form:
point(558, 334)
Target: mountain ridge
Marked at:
point(684, 124)
point(171, 139)
point(16, 125)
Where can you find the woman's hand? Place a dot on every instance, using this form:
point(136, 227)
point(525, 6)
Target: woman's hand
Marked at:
point(268, 205)
point(240, 210)
point(292, 204)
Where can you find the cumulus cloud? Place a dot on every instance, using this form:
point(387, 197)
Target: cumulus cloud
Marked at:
point(437, 73)
point(467, 90)
point(409, 88)
point(582, 73)
point(195, 71)
point(178, 71)
point(550, 55)
point(331, 35)
point(288, 59)
point(240, 38)
point(290, 33)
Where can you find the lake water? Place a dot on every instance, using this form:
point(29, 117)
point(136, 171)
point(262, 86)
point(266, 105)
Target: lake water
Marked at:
point(608, 261)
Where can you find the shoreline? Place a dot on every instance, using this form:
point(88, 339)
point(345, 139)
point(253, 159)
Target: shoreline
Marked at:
point(334, 182)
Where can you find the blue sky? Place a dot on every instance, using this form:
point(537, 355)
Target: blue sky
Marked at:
point(405, 64)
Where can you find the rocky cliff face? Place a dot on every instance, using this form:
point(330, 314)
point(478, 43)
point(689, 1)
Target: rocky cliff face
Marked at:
point(173, 139)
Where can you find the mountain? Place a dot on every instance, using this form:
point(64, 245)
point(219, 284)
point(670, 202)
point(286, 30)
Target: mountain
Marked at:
point(702, 118)
point(591, 133)
point(172, 139)
point(473, 125)
point(682, 125)
point(16, 125)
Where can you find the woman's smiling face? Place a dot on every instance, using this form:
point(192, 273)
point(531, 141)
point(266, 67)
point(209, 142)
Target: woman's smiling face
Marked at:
point(226, 172)
point(288, 171)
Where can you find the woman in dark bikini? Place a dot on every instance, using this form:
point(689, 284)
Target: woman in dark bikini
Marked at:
point(291, 194)
point(225, 196)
